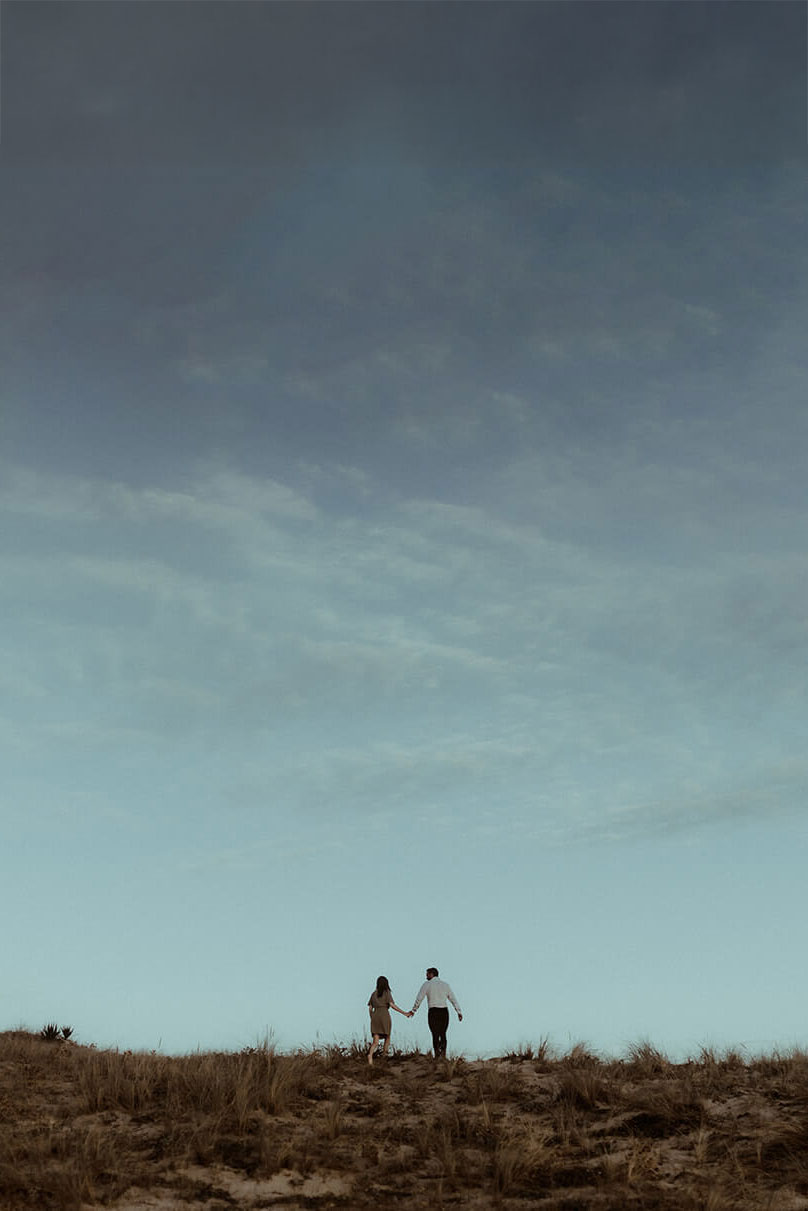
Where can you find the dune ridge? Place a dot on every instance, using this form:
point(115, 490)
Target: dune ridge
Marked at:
point(82, 1127)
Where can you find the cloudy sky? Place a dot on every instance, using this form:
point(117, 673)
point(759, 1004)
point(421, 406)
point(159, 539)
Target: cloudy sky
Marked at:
point(403, 434)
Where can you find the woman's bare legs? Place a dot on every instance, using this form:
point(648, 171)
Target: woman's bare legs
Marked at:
point(373, 1047)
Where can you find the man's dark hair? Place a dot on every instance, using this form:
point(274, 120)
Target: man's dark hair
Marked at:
point(431, 971)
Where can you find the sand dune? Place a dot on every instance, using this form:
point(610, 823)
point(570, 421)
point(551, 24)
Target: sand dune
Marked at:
point(83, 1128)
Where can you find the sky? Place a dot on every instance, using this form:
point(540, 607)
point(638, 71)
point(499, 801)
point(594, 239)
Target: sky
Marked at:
point(403, 516)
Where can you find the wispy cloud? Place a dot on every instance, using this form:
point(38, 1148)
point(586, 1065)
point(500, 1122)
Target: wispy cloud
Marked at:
point(218, 497)
point(775, 791)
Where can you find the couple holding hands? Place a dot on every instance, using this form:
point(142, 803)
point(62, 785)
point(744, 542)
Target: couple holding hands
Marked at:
point(437, 993)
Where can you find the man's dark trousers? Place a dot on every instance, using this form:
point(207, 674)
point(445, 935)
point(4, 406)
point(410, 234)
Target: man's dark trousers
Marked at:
point(438, 1023)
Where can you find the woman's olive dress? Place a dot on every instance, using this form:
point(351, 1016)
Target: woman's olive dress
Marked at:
point(380, 1022)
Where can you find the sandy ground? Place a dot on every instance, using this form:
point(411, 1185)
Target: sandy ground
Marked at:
point(509, 1134)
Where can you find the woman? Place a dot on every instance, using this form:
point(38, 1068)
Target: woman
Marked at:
point(380, 1003)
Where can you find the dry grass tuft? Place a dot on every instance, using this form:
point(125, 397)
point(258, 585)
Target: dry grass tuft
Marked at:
point(645, 1060)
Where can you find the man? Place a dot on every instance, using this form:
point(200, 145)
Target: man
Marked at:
point(437, 993)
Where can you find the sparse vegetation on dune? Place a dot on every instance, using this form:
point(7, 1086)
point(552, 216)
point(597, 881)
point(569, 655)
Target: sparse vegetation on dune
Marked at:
point(82, 1127)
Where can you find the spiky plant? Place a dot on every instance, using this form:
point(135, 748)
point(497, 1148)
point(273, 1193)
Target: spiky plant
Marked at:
point(50, 1033)
point(66, 1032)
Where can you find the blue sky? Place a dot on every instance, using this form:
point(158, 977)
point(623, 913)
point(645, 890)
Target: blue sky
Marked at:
point(403, 559)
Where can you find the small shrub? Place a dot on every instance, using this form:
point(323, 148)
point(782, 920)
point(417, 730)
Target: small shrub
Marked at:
point(332, 1118)
point(645, 1060)
point(642, 1161)
point(665, 1109)
point(523, 1159)
point(581, 1056)
point(492, 1084)
point(583, 1089)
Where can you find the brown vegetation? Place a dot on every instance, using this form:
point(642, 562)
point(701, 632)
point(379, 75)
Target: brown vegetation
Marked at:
point(83, 1128)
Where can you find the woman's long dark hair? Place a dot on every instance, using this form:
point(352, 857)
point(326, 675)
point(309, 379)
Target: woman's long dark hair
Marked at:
point(382, 985)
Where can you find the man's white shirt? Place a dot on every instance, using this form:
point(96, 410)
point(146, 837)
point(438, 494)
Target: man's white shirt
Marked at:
point(437, 993)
